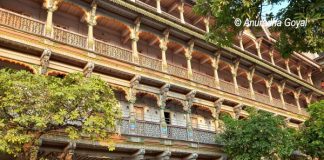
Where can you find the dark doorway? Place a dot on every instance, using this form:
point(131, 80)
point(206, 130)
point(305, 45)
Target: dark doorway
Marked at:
point(167, 117)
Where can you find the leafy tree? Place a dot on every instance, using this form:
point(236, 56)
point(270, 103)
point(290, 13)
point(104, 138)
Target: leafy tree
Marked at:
point(260, 136)
point(309, 38)
point(312, 134)
point(34, 105)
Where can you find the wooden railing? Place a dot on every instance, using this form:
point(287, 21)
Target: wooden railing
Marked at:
point(277, 103)
point(177, 71)
point(20, 22)
point(203, 79)
point(262, 98)
point(150, 62)
point(291, 107)
point(244, 92)
point(227, 86)
point(71, 38)
point(113, 51)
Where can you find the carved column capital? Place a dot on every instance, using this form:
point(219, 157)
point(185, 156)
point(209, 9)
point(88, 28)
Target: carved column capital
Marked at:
point(87, 70)
point(44, 61)
point(237, 110)
point(51, 5)
point(91, 15)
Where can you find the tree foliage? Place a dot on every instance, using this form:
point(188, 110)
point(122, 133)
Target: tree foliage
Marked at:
point(34, 105)
point(312, 134)
point(302, 39)
point(261, 135)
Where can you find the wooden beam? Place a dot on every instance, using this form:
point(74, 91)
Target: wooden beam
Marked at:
point(204, 60)
point(197, 20)
point(178, 50)
point(249, 44)
point(153, 41)
point(125, 33)
point(173, 7)
point(125, 39)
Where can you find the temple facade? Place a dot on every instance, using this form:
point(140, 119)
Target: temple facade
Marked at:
point(171, 83)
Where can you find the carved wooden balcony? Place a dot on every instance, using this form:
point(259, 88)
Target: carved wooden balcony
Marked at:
point(20, 22)
point(149, 62)
point(152, 129)
point(177, 71)
point(113, 51)
point(68, 37)
point(203, 79)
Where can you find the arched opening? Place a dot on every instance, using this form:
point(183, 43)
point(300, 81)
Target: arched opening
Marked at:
point(148, 45)
point(68, 17)
point(120, 95)
point(15, 65)
point(260, 89)
point(249, 44)
point(201, 118)
point(146, 108)
point(201, 63)
point(243, 83)
point(57, 74)
point(31, 8)
point(192, 18)
point(113, 32)
point(177, 115)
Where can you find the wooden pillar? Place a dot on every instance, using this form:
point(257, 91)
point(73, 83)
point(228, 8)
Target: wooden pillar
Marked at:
point(162, 103)
point(296, 96)
point(250, 79)
point(51, 6)
point(91, 21)
point(287, 65)
point(131, 98)
point(308, 98)
point(299, 71)
point(206, 21)
point(188, 54)
point(158, 6)
point(271, 56)
point(309, 77)
point(189, 101)
point(268, 85)
point(258, 43)
point(241, 39)
point(218, 107)
point(164, 46)
point(215, 62)
point(181, 10)
point(234, 68)
point(134, 37)
point(281, 90)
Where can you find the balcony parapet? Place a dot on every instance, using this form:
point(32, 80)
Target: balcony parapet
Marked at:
point(152, 129)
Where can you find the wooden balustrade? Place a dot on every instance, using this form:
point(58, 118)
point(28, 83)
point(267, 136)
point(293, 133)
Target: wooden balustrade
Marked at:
point(21, 22)
point(150, 62)
point(227, 86)
point(68, 37)
point(244, 92)
point(177, 71)
point(262, 98)
point(292, 108)
point(203, 79)
point(113, 51)
point(277, 103)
